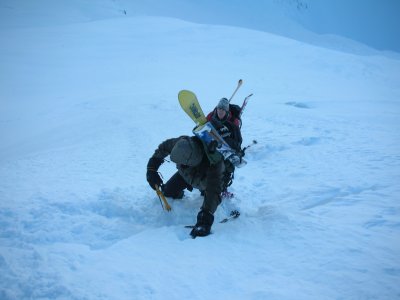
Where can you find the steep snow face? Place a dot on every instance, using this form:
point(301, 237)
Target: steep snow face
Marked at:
point(373, 23)
point(353, 26)
point(83, 105)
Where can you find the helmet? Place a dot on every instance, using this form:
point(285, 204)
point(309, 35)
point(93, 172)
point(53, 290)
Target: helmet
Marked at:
point(223, 104)
point(187, 151)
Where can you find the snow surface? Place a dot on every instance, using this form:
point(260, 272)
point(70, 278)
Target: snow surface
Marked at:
point(86, 98)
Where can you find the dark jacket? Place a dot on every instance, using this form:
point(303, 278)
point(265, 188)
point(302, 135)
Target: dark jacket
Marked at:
point(206, 177)
point(228, 129)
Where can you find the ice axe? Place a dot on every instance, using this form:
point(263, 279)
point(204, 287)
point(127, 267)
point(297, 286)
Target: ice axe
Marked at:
point(162, 197)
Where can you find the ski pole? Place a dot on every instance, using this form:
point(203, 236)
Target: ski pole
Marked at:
point(162, 197)
point(248, 146)
point(238, 86)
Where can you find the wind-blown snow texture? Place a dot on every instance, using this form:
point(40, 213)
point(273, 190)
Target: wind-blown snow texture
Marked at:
point(83, 105)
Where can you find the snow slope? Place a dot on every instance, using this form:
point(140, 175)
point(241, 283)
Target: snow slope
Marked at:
point(333, 23)
point(83, 105)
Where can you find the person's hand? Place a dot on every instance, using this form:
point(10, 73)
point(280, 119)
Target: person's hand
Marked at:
point(153, 178)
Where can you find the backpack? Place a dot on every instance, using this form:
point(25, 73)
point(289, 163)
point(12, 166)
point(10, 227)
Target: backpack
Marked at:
point(235, 114)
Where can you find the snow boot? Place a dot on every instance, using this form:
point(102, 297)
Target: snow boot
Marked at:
point(205, 220)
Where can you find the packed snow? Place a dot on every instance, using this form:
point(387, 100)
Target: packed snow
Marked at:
point(86, 96)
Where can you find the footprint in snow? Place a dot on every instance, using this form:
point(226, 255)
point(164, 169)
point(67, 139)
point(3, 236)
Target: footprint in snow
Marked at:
point(298, 104)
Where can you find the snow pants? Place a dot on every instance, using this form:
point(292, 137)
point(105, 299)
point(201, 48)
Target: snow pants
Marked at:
point(210, 181)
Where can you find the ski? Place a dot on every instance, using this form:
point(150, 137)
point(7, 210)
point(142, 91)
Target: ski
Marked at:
point(233, 215)
point(244, 104)
point(238, 86)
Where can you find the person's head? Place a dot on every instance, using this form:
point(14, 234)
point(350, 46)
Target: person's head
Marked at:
point(222, 108)
point(187, 151)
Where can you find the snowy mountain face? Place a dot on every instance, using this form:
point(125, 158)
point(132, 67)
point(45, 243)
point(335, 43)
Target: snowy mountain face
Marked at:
point(87, 92)
point(349, 26)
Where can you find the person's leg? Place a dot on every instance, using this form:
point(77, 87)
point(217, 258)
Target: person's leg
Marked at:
point(175, 186)
point(212, 197)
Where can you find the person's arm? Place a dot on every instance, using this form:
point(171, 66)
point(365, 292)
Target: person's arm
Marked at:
point(154, 163)
point(234, 140)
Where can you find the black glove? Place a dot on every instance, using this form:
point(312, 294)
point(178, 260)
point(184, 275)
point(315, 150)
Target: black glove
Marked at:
point(153, 178)
point(212, 146)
